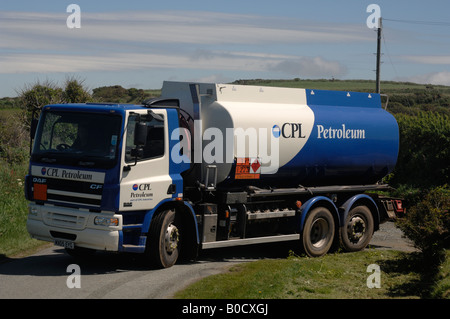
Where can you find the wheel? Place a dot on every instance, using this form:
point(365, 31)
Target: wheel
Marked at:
point(318, 232)
point(163, 242)
point(357, 231)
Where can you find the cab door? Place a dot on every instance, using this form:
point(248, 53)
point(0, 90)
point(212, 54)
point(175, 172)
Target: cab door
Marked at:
point(145, 182)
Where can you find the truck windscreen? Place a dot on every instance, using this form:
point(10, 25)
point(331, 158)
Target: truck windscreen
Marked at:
point(77, 139)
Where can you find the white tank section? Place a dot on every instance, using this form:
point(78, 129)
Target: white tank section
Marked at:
point(243, 122)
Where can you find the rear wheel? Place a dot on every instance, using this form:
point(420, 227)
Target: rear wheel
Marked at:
point(318, 232)
point(163, 242)
point(358, 229)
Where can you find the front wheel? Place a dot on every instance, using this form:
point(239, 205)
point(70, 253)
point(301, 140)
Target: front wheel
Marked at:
point(163, 242)
point(358, 229)
point(318, 232)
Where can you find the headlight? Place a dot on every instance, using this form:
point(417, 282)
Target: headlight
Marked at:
point(106, 221)
point(33, 211)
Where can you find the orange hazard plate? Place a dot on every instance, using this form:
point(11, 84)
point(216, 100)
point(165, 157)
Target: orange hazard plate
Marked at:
point(247, 168)
point(40, 191)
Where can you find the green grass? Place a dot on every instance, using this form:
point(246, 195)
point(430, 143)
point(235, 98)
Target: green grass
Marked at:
point(348, 85)
point(14, 238)
point(334, 276)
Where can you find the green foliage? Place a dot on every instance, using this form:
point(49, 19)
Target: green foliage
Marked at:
point(39, 94)
point(427, 223)
point(109, 93)
point(13, 137)
point(14, 237)
point(7, 103)
point(15, 123)
point(424, 150)
point(33, 97)
point(118, 94)
point(75, 92)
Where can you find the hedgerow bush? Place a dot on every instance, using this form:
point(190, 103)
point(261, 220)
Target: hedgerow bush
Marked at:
point(14, 137)
point(423, 160)
point(427, 223)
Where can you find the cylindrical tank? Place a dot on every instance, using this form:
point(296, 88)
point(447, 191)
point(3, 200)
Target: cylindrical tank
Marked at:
point(353, 141)
point(282, 137)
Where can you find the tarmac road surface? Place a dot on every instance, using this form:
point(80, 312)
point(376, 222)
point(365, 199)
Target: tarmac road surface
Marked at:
point(46, 274)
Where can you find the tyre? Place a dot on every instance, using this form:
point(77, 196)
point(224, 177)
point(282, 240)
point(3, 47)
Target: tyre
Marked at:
point(318, 232)
point(163, 242)
point(357, 230)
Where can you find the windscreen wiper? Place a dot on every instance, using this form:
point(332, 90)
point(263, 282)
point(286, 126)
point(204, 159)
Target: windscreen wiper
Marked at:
point(84, 163)
point(48, 160)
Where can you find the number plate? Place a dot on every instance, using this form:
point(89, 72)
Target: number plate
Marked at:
point(65, 243)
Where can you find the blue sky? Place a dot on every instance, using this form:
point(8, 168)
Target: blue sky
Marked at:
point(142, 43)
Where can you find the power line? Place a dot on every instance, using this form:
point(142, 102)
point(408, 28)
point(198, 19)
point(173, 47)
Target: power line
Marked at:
point(433, 23)
point(387, 52)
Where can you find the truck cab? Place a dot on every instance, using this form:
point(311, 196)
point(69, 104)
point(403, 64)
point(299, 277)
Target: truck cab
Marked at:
point(99, 172)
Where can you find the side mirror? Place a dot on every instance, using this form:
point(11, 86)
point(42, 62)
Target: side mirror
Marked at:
point(140, 134)
point(33, 127)
point(140, 138)
point(137, 152)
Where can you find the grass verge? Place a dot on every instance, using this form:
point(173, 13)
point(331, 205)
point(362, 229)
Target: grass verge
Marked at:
point(14, 238)
point(334, 276)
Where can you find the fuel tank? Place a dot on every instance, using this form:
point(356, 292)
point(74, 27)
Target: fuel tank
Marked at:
point(283, 137)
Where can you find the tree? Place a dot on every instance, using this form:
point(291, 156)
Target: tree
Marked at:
point(75, 92)
point(34, 96)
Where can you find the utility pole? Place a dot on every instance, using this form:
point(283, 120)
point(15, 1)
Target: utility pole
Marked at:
point(378, 54)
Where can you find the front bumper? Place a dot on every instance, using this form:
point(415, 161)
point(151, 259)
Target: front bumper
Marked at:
point(48, 222)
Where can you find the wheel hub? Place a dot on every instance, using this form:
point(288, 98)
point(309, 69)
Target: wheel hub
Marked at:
point(319, 231)
point(172, 237)
point(356, 228)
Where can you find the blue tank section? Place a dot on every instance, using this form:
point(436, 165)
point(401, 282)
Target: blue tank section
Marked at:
point(354, 141)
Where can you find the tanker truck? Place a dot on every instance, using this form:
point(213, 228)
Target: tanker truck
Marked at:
point(210, 165)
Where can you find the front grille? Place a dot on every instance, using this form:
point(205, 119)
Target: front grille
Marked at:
point(74, 198)
point(57, 234)
point(65, 220)
point(72, 192)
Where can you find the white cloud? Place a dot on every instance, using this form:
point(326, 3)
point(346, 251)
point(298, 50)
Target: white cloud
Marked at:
point(38, 31)
point(429, 59)
point(310, 67)
point(213, 78)
point(200, 60)
point(41, 43)
point(436, 78)
point(48, 63)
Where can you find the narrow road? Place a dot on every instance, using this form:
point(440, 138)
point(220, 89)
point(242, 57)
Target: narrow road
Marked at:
point(45, 274)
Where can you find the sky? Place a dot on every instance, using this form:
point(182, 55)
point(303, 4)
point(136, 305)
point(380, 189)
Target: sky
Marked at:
point(140, 44)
